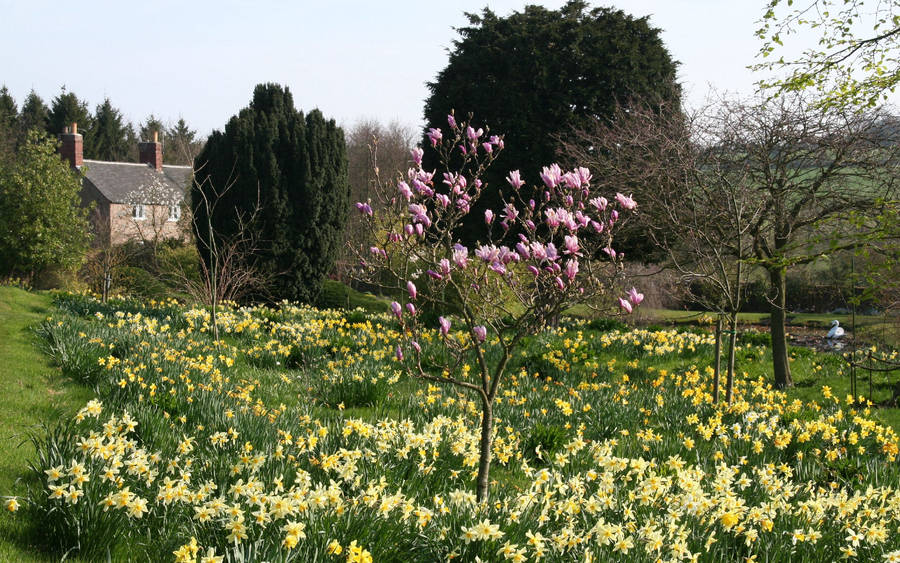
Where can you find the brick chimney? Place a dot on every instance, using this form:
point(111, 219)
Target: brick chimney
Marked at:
point(72, 148)
point(150, 152)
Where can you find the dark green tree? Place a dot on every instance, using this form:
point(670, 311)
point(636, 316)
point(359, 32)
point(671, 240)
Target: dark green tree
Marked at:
point(296, 165)
point(9, 117)
point(180, 144)
point(66, 109)
point(151, 124)
point(536, 75)
point(110, 135)
point(34, 115)
point(42, 223)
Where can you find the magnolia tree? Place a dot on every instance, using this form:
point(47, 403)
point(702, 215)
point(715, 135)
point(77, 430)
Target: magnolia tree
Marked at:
point(547, 248)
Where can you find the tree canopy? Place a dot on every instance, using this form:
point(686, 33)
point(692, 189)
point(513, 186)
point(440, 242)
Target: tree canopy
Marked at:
point(111, 136)
point(535, 75)
point(42, 223)
point(296, 165)
point(856, 60)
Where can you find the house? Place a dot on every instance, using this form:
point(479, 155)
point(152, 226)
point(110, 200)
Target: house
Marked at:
point(131, 201)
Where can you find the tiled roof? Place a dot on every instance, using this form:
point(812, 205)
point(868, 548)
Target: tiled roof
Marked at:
point(125, 182)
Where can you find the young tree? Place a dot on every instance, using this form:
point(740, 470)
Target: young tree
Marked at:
point(42, 223)
point(110, 135)
point(151, 125)
point(695, 204)
point(541, 73)
point(501, 293)
point(299, 166)
point(849, 66)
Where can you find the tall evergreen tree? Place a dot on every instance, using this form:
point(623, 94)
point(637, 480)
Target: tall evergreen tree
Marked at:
point(66, 109)
point(180, 144)
point(149, 126)
point(109, 135)
point(297, 164)
point(34, 115)
point(9, 117)
point(536, 75)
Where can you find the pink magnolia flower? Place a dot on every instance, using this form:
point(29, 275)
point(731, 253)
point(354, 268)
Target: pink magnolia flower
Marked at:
point(584, 174)
point(600, 203)
point(625, 305)
point(534, 271)
point(419, 213)
point(625, 201)
point(436, 136)
point(572, 245)
point(416, 346)
point(480, 333)
point(571, 269)
point(417, 154)
point(498, 267)
point(560, 285)
point(404, 190)
point(635, 297)
point(551, 175)
point(364, 208)
point(451, 121)
point(444, 266)
point(460, 256)
point(396, 309)
point(487, 253)
point(442, 199)
point(515, 179)
point(434, 275)
point(411, 288)
point(399, 353)
point(488, 216)
point(445, 325)
point(411, 308)
point(510, 212)
point(609, 251)
point(523, 251)
point(488, 148)
point(473, 134)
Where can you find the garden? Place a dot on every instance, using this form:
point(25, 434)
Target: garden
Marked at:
point(299, 436)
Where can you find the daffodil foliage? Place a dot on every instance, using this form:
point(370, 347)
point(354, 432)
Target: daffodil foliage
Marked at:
point(608, 446)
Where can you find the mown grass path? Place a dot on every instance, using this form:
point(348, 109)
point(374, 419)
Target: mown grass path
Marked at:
point(32, 392)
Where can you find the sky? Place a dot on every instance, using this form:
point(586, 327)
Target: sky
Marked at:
point(351, 59)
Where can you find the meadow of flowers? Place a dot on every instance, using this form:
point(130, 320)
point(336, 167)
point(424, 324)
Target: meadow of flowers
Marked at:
point(298, 437)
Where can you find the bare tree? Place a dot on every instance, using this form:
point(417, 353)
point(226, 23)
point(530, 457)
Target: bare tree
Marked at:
point(228, 264)
point(778, 174)
point(374, 151)
point(694, 204)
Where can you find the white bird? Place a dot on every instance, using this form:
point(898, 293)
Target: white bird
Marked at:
point(836, 331)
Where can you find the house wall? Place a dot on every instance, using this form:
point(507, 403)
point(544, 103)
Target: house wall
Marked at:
point(156, 226)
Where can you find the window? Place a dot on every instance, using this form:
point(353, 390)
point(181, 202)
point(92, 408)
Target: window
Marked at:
point(174, 212)
point(139, 213)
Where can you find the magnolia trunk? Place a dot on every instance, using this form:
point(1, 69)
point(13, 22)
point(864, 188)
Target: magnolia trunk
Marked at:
point(777, 305)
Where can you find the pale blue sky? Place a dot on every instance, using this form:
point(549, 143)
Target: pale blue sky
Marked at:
point(351, 59)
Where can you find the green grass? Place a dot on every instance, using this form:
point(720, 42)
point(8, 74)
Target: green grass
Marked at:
point(34, 392)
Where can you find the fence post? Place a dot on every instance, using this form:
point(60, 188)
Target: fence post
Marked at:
point(718, 359)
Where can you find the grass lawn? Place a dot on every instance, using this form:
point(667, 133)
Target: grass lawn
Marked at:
point(33, 392)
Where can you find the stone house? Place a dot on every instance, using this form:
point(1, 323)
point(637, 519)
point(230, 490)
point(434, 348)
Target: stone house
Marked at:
point(142, 201)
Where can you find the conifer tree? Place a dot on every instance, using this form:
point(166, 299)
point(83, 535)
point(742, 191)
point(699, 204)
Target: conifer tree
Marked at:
point(110, 135)
point(34, 115)
point(538, 74)
point(67, 109)
point(9, 115)
point(297, 165)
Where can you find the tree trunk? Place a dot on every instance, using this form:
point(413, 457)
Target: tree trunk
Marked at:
point(777, 308)
point(732, 344)
point(484, 459)
point(718, 360)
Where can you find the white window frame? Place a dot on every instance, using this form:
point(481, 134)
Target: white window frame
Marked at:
point(139, 213)
point(174, 212)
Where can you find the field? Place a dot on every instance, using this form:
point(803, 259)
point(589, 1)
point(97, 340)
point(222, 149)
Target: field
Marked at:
point(298, 437)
